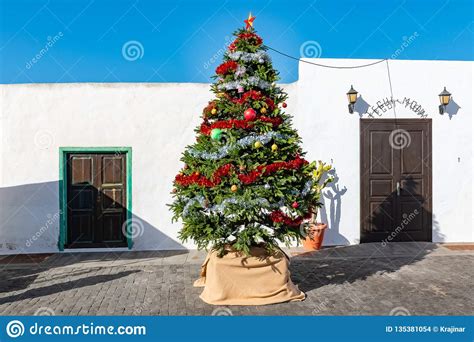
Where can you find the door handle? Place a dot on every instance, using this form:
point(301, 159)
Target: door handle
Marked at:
point(398, 188)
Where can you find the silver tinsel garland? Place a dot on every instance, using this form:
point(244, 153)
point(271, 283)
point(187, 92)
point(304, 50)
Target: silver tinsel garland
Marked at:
point(260, 202)
point(260, 56)
point(241, 70)
point(241, 143)
point(252, 81)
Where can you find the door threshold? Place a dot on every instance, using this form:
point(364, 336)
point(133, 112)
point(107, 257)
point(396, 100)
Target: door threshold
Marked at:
point(93, 250)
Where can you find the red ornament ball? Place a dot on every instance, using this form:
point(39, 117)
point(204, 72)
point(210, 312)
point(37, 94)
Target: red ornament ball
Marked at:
point(250, 114)
point(284, 104)
point(295, 205)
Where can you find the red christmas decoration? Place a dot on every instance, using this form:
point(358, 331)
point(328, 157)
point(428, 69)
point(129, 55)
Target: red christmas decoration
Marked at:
point(284, 104)
point(250, 114)
point(252, 38)
point(254, 95)
point(251, 177)
point(227, 67)
point(295, 205)
point(234, 123)
point(278, 216)
point(265, 170)
point(196, 178)
point(270, 103)
point(251, 94)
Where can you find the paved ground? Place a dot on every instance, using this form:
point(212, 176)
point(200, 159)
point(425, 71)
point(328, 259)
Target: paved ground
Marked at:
point(402, 278)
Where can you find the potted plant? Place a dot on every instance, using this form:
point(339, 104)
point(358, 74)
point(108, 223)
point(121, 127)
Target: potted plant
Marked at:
point(313, 230)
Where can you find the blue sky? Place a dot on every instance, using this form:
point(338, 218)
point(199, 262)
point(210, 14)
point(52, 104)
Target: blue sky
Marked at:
point(177, 40)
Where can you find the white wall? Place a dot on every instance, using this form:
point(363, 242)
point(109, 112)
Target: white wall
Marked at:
point(329, 132)
point(158, 121)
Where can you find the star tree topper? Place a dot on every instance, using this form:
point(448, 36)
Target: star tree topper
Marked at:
point(249, 21)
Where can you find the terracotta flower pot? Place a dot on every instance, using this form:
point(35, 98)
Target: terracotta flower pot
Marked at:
point(315, 237)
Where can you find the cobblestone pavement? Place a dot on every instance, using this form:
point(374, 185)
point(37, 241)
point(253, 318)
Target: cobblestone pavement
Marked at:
point(405, 278)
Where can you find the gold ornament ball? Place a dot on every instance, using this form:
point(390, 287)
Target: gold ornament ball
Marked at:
point(263, 110)
point(213, 111)
point(233, 188)
point(258, 144)
point(274, 147)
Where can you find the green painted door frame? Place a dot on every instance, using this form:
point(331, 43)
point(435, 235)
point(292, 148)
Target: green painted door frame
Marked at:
point(63, 152)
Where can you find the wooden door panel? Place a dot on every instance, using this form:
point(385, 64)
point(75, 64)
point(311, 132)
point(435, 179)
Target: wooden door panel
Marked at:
point(112, 169)
point(82, 228)
point(382, 216)
point(381, 187)
point(378, 171)
point(412, 154)
point(112, 198)
point(96, 199)
point(413, 216)
point(395, 180)
point(82, 199)
point(412, 187)
point(112, 221)
point(112, 212)
point(381, 154)
point(81, 170)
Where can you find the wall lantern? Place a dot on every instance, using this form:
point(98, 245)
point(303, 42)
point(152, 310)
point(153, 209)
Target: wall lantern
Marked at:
point(352, 97)
point(444, 98)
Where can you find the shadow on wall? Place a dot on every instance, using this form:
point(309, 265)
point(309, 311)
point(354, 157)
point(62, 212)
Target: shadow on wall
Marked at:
point(331, 211)
point(410, 222)
point(452, 108)
point(361, 106)
point(332, 266)
point(29, 222)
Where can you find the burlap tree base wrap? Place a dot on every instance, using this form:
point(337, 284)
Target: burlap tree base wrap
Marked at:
point(236, 279)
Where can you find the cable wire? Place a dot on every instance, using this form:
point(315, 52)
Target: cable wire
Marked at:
point(326, 66)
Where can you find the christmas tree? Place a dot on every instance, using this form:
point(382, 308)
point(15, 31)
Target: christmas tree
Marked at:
point(244, 182)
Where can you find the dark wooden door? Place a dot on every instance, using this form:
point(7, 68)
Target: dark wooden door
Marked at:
point(395, 180)
point(96, 197)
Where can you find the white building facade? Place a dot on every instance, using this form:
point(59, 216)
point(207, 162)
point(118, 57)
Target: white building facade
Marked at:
point(143, 129)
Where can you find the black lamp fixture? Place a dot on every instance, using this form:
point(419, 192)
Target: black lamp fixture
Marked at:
point(352, 97)
point(444, 98)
